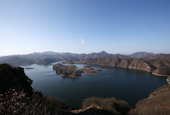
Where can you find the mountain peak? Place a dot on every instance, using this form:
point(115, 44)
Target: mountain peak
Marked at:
point(103, 52)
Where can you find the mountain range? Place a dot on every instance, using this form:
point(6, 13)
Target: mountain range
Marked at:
point(48, 57)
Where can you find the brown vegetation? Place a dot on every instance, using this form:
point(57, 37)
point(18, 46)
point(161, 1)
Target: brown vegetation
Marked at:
point(112, 105)
point(20, 103)
point(73, 71)
point(157, 103)
point(89, 70)
point(162, 56)
point(55, 104)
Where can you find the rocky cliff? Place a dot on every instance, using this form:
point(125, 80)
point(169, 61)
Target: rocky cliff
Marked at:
point(155, 66)
point(14, 77)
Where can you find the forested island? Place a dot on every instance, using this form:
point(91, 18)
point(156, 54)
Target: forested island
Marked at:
point(73, 71)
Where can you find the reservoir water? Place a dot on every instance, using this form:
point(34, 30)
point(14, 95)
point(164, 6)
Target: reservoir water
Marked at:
point(124, 84)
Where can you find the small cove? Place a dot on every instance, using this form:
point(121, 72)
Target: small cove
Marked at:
point(124, 84)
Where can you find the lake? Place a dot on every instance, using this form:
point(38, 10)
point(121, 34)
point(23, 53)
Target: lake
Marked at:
point(124, 84)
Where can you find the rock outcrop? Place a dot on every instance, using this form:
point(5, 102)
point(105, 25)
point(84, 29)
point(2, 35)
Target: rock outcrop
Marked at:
point(14, 77)
point(168, 79)
point(141, 65)
point(155, 66)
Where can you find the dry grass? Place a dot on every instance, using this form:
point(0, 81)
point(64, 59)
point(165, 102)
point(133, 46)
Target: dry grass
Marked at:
point(55, 104)
point(112, 105)
point(158, 104)
point(19, 103)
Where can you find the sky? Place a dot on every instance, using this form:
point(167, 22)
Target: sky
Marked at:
point(84, 26)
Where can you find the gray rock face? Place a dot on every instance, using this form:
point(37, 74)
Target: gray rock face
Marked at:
point(124, 63)
point(141, 65)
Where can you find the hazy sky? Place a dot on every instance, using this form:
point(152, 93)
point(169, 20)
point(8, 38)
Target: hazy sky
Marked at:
point(84, 26)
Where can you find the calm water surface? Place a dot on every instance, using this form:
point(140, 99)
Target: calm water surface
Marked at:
point(124, 84)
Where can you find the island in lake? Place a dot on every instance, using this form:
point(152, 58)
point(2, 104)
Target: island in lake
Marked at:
point(73, 71)
point(28, 68)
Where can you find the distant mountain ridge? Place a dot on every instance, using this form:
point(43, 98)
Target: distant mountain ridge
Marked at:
point(17, 61)
point(48, 57)
point(141, 55)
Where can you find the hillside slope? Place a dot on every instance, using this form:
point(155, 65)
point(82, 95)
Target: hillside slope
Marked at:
point(17, 61)
point(155, 66)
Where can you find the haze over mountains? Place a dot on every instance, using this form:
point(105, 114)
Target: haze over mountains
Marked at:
point(17, 61)
point(48, 57)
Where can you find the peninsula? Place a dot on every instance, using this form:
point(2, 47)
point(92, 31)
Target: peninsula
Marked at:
point(158, 67)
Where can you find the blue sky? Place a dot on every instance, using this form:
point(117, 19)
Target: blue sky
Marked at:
point(84, 26)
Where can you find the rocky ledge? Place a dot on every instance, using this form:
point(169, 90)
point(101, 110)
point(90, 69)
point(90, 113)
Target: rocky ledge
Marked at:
point(73, 71)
